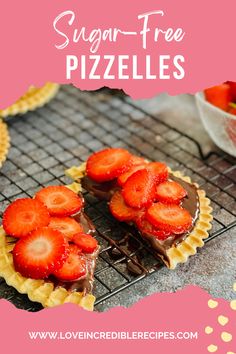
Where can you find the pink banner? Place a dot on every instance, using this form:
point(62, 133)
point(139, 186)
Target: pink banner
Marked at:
point(152, 47)
point(188, 321)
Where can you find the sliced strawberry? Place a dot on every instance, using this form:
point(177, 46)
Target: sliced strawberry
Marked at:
point(40, 253)
point(120, 210)
point(23, 216)
point(159, 171)
point(85, 242)
point(170, 192)
point(137, 160)
point(66, 225)
point(220, 96)
point(108, 164)
point(139, 190)
point(60, 200)
point(170, 218)
point(146, 228)
point(123, 178)
point(74, 267)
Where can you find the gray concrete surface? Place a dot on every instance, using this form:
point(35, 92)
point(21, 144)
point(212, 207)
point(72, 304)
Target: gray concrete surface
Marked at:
point(179, 112)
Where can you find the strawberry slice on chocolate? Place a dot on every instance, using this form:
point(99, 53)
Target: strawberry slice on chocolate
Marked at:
point(108, 164)
point(159, 171)
point(59, 200)
point(86, 242)
point(40, 253)
point(170, 218)
point(120, 210)
point(124, 177)
point(66, 225)
point(139, 190)
point(74, 267)
point(170, 192)
point(23, 216)
point(147, 229)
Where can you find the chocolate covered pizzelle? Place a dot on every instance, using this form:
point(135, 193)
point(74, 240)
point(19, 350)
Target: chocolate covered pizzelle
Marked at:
point(47, 248)
point(170, 212)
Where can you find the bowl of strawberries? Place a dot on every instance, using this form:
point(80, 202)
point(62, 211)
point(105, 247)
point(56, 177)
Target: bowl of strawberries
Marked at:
point(217, 108)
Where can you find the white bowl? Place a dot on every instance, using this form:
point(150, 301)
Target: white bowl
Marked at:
point(220, 125)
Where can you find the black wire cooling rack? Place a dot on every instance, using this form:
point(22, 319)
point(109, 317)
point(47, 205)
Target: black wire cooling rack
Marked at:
point(66, 132)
